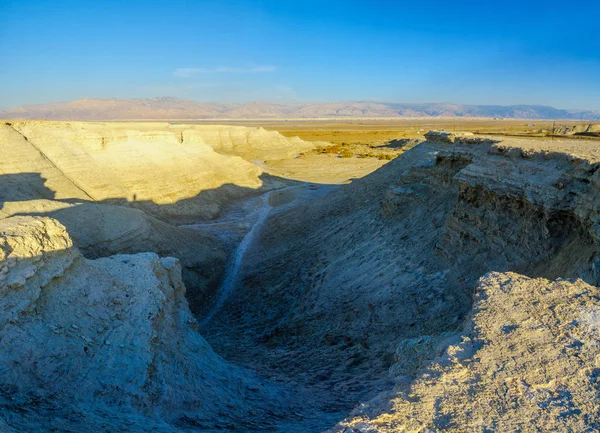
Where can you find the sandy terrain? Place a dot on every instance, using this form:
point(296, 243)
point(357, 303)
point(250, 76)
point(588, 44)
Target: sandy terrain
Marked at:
point(379, 131)
point(326, 169)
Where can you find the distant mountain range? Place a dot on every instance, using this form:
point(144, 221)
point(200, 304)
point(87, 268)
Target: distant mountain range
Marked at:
point(166, 108)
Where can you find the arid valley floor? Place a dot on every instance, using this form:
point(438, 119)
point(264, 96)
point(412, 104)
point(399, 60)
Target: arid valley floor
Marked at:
point(361, 276)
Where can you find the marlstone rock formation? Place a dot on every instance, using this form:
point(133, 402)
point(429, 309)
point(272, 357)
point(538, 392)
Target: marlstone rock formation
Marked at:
point(102, 230)
point(590, 129)
point(385, 269)
point(454, 289)
point(109, 344)
point(525, 361)
point(156, 173)
point(171, 171)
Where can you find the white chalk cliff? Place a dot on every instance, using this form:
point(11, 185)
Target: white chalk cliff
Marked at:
point(173, 171)
point(454, 289)
point(109, 344)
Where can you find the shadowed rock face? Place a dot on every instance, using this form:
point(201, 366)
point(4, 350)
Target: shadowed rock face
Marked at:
point(99, 230)
point(109, 344)
point(371, 294)
point(386, 267)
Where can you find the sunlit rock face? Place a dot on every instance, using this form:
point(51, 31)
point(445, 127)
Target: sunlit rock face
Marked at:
point(174, 172)
point(526, 360)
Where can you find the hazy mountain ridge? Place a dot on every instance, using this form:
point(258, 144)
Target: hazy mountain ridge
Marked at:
point(178, 108)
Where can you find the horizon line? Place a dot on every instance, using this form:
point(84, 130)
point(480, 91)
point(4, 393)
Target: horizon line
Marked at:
point(304, 103)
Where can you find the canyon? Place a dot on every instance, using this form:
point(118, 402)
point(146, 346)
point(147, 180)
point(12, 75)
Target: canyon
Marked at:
point(179, 277)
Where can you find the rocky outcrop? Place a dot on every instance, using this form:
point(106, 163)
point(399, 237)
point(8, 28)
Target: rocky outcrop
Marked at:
point(376, 288)
point(250, 143)
point(109, 344)
point(102, 230)
point(585, 129)
point(446, 137)
point(27, 173)
point(527, 361)
point(385, 270)
point(173, 172)
point(457, 138)
point(528, 210)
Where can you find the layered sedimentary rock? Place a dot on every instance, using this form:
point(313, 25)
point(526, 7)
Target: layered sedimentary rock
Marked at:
point(251, 143)
point(386, 268)
point(527, 360)
point(172, 171)
point(589, 129)
point(524, 209)
point(26, 173)
point(109, 344)
point(372, 297)
point(99, 230)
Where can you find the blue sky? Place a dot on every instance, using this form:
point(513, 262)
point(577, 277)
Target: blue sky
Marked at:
point(481, 52)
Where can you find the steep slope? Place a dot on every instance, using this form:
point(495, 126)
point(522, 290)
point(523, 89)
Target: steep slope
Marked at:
point(168, 171)
point(333, 289)
point(527, 361)
point(589, 129)
point(27, 173)
point(250, 143)
point(110, 344)
point(102, 230)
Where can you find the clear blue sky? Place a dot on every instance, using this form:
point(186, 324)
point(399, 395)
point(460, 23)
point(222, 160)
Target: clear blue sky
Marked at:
point(483, 52)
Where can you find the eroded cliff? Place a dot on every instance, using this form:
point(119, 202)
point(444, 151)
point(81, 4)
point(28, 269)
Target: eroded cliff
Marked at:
point(174, 172)
point(454, 289)
point(337, 289)
point(110, 344)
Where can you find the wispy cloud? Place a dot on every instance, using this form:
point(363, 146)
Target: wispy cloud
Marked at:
point(190, 72)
